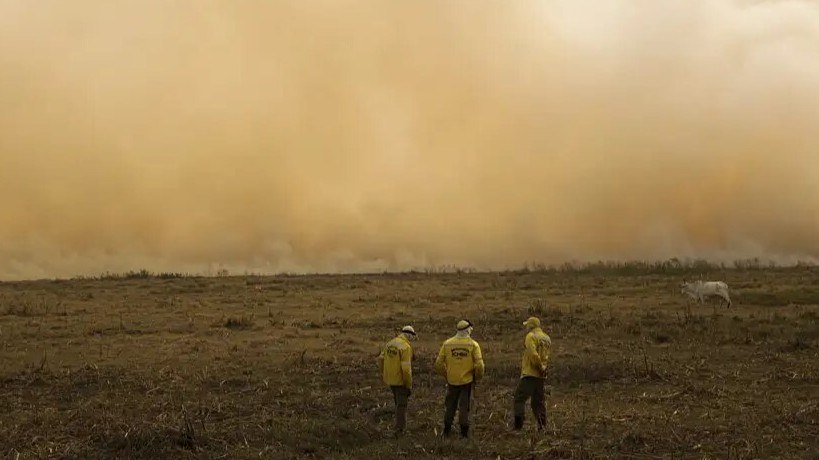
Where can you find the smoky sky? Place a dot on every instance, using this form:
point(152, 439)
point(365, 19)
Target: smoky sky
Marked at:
point(338, 136)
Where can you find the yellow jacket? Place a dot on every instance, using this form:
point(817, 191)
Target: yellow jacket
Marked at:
point(537, 345)
point(460, 361)
point(395, 362)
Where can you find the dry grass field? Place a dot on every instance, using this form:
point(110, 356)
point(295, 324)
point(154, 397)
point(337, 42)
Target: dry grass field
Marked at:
point(154, 367)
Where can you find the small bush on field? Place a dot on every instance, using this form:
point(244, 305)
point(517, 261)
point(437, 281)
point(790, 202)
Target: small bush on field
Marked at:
point(662, 336)
point(544, 311)
point(242, 322)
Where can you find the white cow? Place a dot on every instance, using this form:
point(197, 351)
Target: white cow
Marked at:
point(699, 290)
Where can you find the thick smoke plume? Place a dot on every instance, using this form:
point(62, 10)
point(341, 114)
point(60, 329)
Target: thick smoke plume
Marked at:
point(355, 135)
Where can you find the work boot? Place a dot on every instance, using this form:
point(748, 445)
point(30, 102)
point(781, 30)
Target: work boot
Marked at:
point(464, 431)
point(447, 430)
point(518, 422)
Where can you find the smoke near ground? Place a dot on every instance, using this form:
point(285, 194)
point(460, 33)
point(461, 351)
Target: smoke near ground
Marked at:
point(355, 135)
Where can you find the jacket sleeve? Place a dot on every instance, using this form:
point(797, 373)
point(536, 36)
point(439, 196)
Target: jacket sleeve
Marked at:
point(406, 367)
point(531, 352)
point(477, 360)
point(440, 362)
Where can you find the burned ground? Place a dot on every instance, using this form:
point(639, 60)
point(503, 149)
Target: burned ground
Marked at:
point(284, 367)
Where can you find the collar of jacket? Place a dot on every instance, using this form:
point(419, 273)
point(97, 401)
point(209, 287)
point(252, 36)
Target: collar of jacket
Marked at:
point(404, 338)
point(463, 334)
point(536, 329)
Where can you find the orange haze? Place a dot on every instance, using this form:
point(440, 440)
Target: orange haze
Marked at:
point(366, 135)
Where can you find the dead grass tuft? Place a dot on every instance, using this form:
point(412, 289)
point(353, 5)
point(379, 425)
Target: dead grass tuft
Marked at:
point(239, 322)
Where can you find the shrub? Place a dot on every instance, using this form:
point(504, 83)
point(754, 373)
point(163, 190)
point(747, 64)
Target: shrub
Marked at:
point(242, 322)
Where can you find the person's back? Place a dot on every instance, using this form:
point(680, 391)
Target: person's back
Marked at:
point(537, 346)
point(395, 362)
point(460, 360)
point(397, 370)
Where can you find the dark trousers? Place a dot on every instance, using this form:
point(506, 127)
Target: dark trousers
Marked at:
point(458, 397)
point(534, 388)
point(401, 396)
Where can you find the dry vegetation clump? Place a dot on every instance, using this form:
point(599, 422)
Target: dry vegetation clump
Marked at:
point(284, 367)
point(134, 275)
point(239, 322)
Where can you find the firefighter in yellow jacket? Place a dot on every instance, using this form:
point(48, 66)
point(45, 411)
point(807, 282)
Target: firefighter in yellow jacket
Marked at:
point(537, 346)
point(395, 362)
point(461, 362)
